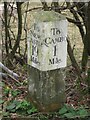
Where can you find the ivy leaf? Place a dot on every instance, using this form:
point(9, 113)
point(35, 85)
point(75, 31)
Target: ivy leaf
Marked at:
point(82, 113)
point(18, 106)
point(14, 93)
point(1, 101)
point(69, 115)
point(5, 114)
point(32, 110)
point(11, 106)
point(25, 104)
point(63, 110)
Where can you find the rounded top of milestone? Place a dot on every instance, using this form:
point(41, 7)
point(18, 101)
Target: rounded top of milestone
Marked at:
point(46, 16)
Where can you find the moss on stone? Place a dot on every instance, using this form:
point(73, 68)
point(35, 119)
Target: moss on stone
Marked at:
point(46, 16)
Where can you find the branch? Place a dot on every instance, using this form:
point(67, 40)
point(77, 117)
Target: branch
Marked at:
point(75, 21)
point(80, 25)
point(56, 6)
point(8, 71)
point(73, 60)
point(3, 75)
point(44, 4)
point(50, 8)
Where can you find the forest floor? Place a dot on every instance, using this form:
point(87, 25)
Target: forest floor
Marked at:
point(13, 91)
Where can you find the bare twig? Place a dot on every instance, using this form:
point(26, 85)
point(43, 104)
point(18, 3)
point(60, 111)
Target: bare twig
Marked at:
point(36, 8)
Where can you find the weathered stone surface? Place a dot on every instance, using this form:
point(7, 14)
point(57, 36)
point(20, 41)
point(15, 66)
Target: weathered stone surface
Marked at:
point(46, 86)
point(47, 89)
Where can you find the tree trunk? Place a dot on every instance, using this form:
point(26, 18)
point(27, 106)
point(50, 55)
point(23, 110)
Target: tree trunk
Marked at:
point(88, 28)
point(12, 54)
point(6, 27)
point(86, 51)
